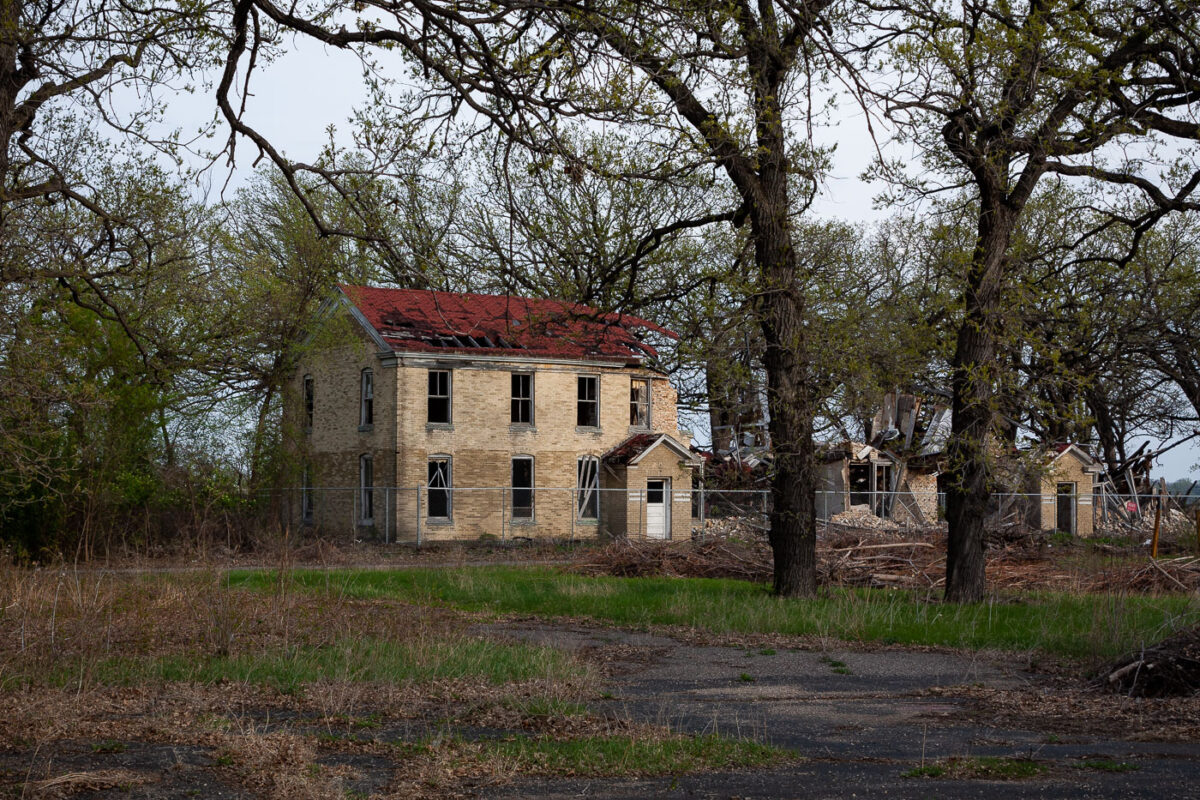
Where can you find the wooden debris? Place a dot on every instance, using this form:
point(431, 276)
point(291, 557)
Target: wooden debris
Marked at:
point(1170, 668)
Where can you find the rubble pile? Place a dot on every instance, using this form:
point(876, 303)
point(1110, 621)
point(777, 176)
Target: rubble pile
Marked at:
point(861, 517)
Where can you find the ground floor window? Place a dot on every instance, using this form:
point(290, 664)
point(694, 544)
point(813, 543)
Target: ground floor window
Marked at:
point(588, 488)
point(439, 488)
point(306, 496)
point(366, 489)
point(522, 487)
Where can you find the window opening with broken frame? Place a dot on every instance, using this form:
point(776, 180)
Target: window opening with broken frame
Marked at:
point(588, 488)
point(366, 487)
point(439, 491)
point(439, 396)
point(306, 495)
point(639, 403)
point(366, 394)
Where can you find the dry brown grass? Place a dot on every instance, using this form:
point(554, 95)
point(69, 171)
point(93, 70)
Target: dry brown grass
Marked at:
point(56, 739)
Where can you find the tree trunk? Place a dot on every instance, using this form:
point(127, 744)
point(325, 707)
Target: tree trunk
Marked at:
point(791, 406)
point(972, 378)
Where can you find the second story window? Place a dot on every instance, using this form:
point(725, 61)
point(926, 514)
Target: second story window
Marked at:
point(639, 403)
point(439, 396)
point(366, 402)
point(308, 401)
point(587, 406)
point(522, 399)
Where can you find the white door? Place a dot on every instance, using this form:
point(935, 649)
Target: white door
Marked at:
point(658, 508)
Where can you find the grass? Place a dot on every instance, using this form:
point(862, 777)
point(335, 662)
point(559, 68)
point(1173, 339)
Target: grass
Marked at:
point(1107, 765)
point(597, 756)
point(979, 768)
point(1067, 625)
point(356, 660)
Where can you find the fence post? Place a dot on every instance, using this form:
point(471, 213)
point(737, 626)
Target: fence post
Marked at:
point(386, 515)
point(503, 515)
point(571, 508)
point(703, 532)
point(1157, 519)
point(418, 516)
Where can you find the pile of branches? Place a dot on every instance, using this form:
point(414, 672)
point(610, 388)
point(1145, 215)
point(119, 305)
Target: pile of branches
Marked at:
point(713, 558)
point(1157, 575)
point(1170, 668)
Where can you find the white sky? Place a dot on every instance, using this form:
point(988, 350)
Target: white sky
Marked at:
point(297, 98)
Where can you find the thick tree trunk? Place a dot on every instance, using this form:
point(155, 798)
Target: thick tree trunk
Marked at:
point(791, 406)
point(793, 518)
point(972, 379)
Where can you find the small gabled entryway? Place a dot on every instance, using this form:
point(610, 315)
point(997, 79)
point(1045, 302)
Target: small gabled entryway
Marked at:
point(658, 508)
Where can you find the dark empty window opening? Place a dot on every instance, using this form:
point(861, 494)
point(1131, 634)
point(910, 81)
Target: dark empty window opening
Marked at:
point(439, 396)
point(439, 488)
point(522, 488)
point(366, 406)
point(588, 488)
point(308, 402)
point(860, 484)
point(639, 403)
point(366, 487)
point(306, 496)
point(587, 407)
point(522, 399)
point(1065, 508)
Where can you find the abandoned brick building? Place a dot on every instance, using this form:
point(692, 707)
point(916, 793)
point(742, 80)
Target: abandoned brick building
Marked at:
point(437, 415)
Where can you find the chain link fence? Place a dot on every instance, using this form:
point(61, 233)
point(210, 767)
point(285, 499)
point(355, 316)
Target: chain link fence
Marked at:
point(417, 515)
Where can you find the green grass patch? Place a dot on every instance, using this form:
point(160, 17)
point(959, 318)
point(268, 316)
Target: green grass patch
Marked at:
point(354, 660)
point(1094, 627)
point(547, 707)
point(598, 756)
point(980, 768)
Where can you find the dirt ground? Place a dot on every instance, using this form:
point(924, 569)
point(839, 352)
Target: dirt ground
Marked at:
point(860, 718)
point(856, 719)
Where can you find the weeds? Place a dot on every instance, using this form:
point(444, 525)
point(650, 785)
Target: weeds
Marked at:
point(625, 755)
point(1107, 765)
point(979, 768)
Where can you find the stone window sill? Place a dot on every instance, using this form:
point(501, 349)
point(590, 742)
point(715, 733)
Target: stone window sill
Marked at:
point(365, 428)
point(439, 426)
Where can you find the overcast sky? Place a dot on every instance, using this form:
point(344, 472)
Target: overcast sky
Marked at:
point(297, 98)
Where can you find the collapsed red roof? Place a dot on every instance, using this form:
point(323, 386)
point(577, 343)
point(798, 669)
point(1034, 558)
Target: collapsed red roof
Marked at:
point(418, 320)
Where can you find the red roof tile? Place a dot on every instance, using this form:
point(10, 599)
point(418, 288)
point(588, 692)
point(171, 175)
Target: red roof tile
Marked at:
point(631, 448)
point(417, 320)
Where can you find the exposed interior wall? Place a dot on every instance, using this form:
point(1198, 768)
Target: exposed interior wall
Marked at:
point(917, 500)
point(831, 489)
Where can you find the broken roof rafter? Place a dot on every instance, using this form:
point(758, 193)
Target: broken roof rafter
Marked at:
point(409, 320)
